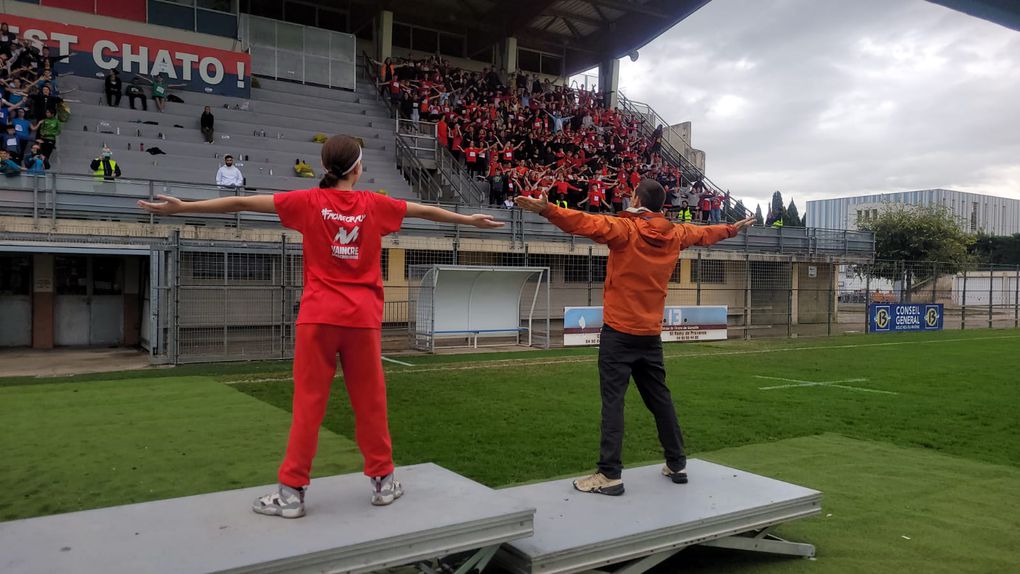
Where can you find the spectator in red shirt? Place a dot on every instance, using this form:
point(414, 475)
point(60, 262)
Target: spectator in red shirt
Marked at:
point(716, 203)
point(341, 310)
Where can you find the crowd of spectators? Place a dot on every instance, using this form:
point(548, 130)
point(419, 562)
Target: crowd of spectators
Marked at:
point(528, 137)
point(31, 105)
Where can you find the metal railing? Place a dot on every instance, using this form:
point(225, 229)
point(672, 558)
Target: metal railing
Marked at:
point(75, 197)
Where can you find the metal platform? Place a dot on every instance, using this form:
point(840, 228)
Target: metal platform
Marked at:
point(440, 513)
point(655, 519)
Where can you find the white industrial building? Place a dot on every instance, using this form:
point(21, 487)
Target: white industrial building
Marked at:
point(975, 212)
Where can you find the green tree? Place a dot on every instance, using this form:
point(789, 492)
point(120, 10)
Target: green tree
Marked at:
point(908, 234)
point(1002, 250)
point(793, 216)
point(738, 212)
point(758, 219)
point(777, 203)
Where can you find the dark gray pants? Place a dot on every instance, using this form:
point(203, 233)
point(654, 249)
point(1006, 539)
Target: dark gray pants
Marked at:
point(620, 356)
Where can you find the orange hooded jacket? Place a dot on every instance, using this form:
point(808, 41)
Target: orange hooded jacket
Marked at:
point(643, 250)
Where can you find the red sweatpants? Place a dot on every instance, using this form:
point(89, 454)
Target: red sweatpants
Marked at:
point(315, 354)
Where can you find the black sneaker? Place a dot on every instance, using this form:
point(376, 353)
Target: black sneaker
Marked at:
point(677, 476)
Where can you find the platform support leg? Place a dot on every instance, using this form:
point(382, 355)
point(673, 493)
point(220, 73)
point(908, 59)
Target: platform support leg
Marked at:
point(763, 541)
point(479, 561)
point(648, 562)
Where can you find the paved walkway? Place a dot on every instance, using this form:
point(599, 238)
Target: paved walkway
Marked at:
point(62, 362)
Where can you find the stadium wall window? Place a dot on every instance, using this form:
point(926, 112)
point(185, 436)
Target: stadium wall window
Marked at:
point(216, 23)
point(107, 276)
point(15, 274)
point(385, 264)
point(228, 6)
point(173, 14)
point(711, 271)
point(401, 35)
point(423, 40)
point(598, 269)
point(552, 65)
point(265, 8)
point(675, 276)
point(333, 20)
point(451, 45)
point(529, 61)
point(298, 13)
point(71, 274)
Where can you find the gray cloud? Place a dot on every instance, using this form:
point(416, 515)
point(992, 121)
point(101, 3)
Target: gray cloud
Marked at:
point(820, 98)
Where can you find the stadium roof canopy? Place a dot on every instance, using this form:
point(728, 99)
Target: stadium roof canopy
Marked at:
point(1003, 12)
point(586, 32)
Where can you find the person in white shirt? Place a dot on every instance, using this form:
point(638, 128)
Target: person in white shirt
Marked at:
point(228, 175)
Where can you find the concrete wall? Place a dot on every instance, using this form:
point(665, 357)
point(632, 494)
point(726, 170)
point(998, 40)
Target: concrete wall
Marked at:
point(118, 25)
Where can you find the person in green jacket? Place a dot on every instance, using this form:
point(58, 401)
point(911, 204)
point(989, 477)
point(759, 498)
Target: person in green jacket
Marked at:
point(47, 131)
point(160, 89)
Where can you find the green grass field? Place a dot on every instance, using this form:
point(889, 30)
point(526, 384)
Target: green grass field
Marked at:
point(914, 442)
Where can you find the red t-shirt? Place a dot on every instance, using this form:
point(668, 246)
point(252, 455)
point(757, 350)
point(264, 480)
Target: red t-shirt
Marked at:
point(342, 237)
point(471, 154)
point(595, 194)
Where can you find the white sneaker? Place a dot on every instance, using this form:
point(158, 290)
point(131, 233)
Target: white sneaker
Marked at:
point(385, 489)
point(286, 502)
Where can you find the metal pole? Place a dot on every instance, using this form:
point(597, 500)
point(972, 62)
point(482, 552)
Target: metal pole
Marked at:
point(152, 197)
point(1016, 299)
point(175, 327)
point(699, 279)
point(283, 295)
point(991, 293)
point(35, 202)
point(832, 294)
point(747, 296)
point(589, 274)
point(934, 281)
point(963, 303)
point(789, 302)
point(867, 302)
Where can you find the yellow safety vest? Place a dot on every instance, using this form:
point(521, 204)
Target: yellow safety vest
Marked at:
point(777, 223)
point(102, 174)
point(684, 215)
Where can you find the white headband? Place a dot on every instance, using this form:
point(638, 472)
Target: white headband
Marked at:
point(353, 165)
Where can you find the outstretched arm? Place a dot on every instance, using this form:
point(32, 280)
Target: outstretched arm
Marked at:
point(172, 206)
point(441, 215)
point(599, 228)
point(705, 235)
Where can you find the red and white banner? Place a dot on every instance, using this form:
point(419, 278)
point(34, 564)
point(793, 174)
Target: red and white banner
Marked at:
point(92, 51)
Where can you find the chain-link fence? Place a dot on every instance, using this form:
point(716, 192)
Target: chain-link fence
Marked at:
point(973, 296)
point(224, 301)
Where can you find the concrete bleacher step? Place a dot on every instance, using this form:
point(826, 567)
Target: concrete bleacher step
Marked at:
point(441, 513)
point(181, 143)
point(239, 121)
point(297, 112)
point(295, 88)
point(318, 109)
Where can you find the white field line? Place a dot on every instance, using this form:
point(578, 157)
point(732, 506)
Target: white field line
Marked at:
point(593, 358)
point(397, 362)
point(797, 384)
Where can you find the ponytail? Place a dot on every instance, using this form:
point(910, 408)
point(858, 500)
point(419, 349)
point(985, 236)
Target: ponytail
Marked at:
point(329, 179)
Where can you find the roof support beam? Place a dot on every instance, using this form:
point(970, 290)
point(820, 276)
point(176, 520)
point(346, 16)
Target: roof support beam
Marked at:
point(573, 29)
point(628, 7)
point(575, 17)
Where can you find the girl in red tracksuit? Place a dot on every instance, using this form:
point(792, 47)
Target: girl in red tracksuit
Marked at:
point(341, 311)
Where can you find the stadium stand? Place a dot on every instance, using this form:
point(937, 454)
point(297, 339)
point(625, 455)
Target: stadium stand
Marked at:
point(289, 115)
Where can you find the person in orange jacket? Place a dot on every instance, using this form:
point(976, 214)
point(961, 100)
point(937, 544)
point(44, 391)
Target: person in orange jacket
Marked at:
point(644, 248)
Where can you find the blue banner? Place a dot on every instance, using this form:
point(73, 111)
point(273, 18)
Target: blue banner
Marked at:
point(896, 318)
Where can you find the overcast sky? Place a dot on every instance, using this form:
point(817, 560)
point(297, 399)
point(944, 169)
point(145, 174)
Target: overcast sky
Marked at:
point(821, 98)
